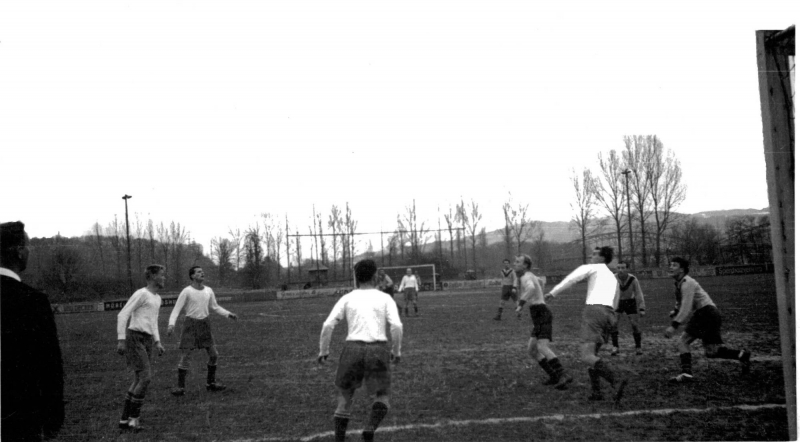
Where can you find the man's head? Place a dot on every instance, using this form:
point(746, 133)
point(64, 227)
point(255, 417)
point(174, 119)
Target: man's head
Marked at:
point(365, 271)
point(196, 274)
point(522, 263)
point(381, 272)
point(506, 263)
point(157, 274)
point(602, 255)
point(622, 267)
point(14, 245)
point(408, 271)
point(678, 266)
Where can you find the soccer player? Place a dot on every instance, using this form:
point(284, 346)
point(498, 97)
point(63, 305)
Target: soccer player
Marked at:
point(136, 342)
point(704, 321)
point(410, 288)
point(542, 333)
point(385, 283)
point(366, 354)
point(32, 369)
point(598, 317)
point(198, 300)
point(508, 289)
point(631, 303)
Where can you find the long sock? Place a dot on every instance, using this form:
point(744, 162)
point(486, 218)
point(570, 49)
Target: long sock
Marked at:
point(416, 310)
point(605, 371)
point(637, 338)
point(136, 406)
point(726, 353)
point(182, 377)
point(548, 368)
point(558, 369)
point(379, 410)
point(594, 378)
point(126, 409)
point(686, 363)
point(406, 311)
point(340, 422)
point(615, 339)
point(211, 378)
point(499, 312)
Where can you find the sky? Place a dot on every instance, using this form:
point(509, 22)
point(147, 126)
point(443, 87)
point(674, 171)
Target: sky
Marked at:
point(212, 113)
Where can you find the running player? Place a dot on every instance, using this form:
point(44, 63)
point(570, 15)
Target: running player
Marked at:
point(198, 300)
point(136, 342)
point(410, 288)
point(542, 333)
point(508, 289)
point(693, 304)
point(598, 317)
point(631, 303)
point(366, 354)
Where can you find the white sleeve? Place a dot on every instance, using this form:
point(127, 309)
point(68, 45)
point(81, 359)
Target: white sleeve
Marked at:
point(573, 278)
point(125, 314)
point(337, 314)
point(212, 304)
point(173, 317)
point(395, 327)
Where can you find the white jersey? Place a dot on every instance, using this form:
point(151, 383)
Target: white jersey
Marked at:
point(408, 281)
point(603, 287)
point(197, 303)
point(367, 311)
point(142, 310)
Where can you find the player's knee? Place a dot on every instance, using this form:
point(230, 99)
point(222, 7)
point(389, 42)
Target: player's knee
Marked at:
point(382, 397)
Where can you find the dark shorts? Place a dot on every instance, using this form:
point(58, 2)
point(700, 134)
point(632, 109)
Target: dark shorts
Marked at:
point(598, 322)
point(138, 350)
point(507, 293)
point(627, 306)
point(196, 334)
point(542, 322)
point(365, 361)
point(410, 294)
point(706, 324)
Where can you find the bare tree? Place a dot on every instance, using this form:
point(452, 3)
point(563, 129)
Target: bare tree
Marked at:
point(521, 226)
point(288, 250)
point(179, 236)
point(151, 236)
point(298, 251)
point(164, 242)
point(507, 237)
point(114, 233)
point(222, 249)
point(637, 158)
point(401, 229)
point(236, 242)
point(139, 235)
point(610, 191)
point(666, 189)
point(254, 255)
point(470, 219)
point(350, 225)
point(334, 221)
point(583, 205)
point(450, 220)
point(98, 235)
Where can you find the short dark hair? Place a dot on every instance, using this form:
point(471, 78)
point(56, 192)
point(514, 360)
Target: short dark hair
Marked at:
point(365, 270)
point(684, 264)
point(623, 262)
point(527, 260)
point(191, 270)
point(152, 270)
point(607, 253)
point(12, 236)
point(507, 260)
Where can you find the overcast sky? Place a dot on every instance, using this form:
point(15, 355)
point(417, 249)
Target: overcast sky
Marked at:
point(211, 113)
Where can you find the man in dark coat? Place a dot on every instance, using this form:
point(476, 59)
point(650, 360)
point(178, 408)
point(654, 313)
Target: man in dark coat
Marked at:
point(30, 356)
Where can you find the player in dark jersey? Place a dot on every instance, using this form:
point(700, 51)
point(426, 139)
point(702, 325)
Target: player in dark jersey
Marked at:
point(508, 289)
point(631, 304)
point(695, 308)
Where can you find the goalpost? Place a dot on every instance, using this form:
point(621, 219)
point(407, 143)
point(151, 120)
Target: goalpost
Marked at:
point(427, 273)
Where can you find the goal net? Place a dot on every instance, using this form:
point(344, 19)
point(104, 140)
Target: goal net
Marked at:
point(427, 275)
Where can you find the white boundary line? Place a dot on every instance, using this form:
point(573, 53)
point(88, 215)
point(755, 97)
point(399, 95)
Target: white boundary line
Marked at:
point(494, 421)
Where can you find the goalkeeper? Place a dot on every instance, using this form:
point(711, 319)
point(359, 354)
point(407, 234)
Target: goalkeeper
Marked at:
point(508, 290)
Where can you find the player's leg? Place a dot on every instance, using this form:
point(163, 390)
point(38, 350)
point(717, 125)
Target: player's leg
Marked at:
point(138, 352)
point(505, 293)
point(637, 331)
point(349, 376)
point(685, 354)
point(615, 335)
point(406, 298)
point(597, 322)
point(211, 376)
point(712, 339)
point(341, 417)
point(416, 309)
point(533, 352)
point(183, 370)
point(378, 382)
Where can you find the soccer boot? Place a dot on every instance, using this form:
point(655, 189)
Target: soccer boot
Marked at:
point(123, 425)
point(216, 386)
point(744, 358)
point(368, 436)
point(496, 317)
point(639, 351)
point(178, 391)
point(682, 378)
point(614, 351)
point(563, 380)
point(552, 380)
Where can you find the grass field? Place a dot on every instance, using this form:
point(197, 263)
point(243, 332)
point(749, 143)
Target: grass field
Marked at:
point(463, 377)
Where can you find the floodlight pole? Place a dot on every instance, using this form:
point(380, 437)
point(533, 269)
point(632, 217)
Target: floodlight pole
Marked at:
point(630, 224)
point(128, 234)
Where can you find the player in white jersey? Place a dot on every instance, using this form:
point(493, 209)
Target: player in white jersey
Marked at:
point(542, 333)
point(508, 289)
point(694, 307)
point(598, 317)
point(198, 300)
point(409, 286)
point(366, 355)
point(136, 342)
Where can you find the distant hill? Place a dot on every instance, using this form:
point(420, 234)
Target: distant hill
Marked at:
point(562, 232)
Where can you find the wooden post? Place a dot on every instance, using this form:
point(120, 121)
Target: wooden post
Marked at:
point(772, 50)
